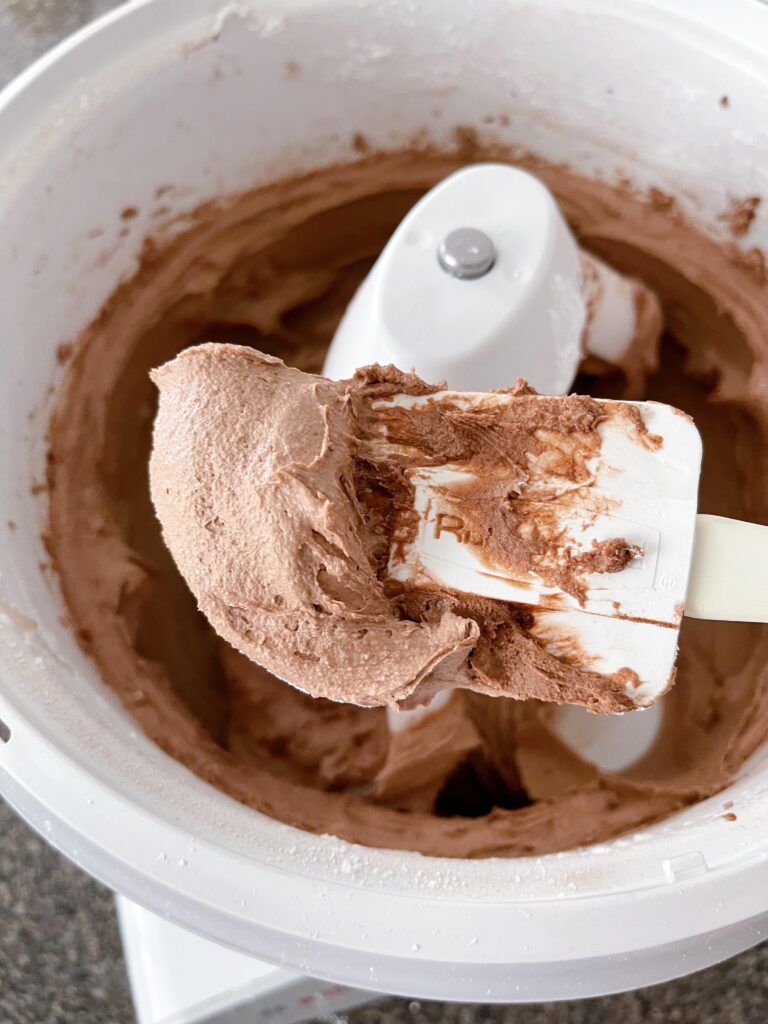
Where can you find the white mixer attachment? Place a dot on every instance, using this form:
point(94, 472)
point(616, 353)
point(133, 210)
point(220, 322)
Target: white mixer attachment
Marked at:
point(482, 283)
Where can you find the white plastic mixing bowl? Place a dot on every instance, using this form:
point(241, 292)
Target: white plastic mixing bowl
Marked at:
point(194, 92)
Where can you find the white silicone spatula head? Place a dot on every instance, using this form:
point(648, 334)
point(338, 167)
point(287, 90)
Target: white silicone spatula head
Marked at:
point(638, 489)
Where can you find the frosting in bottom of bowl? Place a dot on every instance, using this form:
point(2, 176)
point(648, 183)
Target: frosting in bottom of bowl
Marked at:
point(275, 268)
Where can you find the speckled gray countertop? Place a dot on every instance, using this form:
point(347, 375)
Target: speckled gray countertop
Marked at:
point(60, 957)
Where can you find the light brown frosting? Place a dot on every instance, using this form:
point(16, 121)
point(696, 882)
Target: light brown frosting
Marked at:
point(277, 500)
point(253, 479)
point(274, 269)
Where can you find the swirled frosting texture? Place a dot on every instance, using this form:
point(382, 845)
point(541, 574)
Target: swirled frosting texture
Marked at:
point(274, 269)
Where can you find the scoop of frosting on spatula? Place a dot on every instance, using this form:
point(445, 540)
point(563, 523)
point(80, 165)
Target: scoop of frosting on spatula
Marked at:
point(378, 540)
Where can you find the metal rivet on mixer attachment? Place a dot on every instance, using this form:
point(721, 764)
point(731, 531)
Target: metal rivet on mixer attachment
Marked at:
point(466, 253)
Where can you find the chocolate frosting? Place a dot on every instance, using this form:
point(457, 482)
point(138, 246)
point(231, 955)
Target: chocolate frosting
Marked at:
point(253, 479)
point(274, 269)
point(279, 505)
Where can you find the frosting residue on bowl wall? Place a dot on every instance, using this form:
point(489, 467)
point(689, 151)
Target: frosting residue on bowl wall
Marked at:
point(274, 268)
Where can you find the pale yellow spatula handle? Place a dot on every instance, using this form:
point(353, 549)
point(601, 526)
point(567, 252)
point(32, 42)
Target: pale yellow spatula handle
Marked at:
point(729, 573)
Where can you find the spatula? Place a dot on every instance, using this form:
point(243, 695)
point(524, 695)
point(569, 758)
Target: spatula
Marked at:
point(634, 499)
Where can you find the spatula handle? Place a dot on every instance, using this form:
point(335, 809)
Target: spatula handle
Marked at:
point(729, 572)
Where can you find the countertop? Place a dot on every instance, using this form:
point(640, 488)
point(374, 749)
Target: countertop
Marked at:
point(60, 956)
